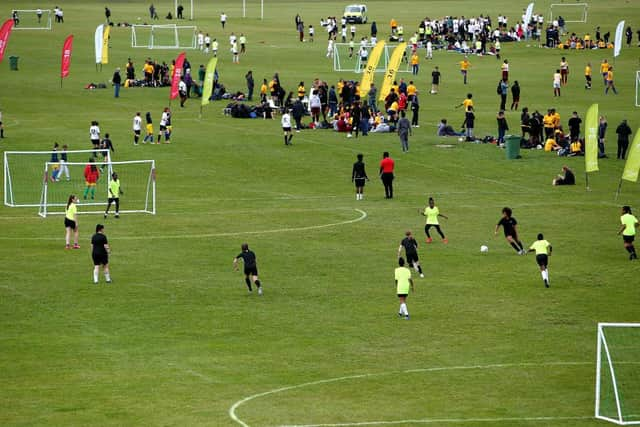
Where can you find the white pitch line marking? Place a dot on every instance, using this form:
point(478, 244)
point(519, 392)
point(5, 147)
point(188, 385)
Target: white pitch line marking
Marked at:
point(440, 421)
point(236, 405)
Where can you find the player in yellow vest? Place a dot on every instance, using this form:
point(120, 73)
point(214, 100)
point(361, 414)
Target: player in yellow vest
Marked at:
point(587, 76)
point(404, 282)
point(628, 231)
point(464, 68)
point(542, 248)
point(71, 222)
point(114, 194)
point(432, 213)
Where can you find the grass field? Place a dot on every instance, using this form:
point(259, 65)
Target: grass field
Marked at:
point(176, 340)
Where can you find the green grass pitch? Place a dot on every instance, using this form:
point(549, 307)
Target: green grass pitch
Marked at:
point(176, 340)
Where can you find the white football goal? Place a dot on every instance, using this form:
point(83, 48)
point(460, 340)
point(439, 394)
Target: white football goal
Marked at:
point(618, 373)
point(570, 12)
point(137, 180)
point(36, 19)
point(168, 36)
point(346, 60)
point(637, 88)
point(23, 173)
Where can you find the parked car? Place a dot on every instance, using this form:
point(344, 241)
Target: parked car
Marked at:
point(356, 13)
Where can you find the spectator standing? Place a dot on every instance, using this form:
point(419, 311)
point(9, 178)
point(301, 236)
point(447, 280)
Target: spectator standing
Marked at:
point(387, 166)
point(250, 84)
point(503, 127)
point(504, 88)
point(623, 131)
point(602, 131)
point(574, 126)
point(404, 130)
point(117, 81)
point(515, 95)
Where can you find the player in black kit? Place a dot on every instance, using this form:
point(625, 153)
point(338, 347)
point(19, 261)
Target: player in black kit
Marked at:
point(509, 224)
point(250, 267)
point(410, 246)
point(358, 177)
point(100, 254)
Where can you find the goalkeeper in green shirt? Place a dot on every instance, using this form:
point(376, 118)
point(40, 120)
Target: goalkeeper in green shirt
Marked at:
point(114, 194)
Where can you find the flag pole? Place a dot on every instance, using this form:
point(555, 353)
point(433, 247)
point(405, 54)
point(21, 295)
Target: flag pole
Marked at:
point(586, 180)
point(619, 188)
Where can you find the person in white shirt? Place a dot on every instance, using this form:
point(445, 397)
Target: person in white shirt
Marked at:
point(343, 34)
point(137, 127)
point(223, 19)
point(330, 49)
point(234, 53)
point(364, 55)
point(312, 32)
point(429, 50)
point(232, 39)
point(557, 78)
point(200, 40)
point(164, 122)
point(182, 90)
point(94, 134)
point(315, 105)
point(286, 127)
point(353, 31)
point(207, 43)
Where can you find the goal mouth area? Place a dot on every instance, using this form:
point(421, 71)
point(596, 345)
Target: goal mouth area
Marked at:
point(28, 19)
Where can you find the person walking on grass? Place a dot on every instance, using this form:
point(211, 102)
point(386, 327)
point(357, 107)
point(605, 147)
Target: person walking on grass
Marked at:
point(71, 222)
point(543, 249)
point(404, 130)
point(359, 176)
point(503, 88)
point(248, 258)
point(628, 231)
point(624, 131)
point(410, 245)
point(149, 129)
point(557, 82)
point(285, 120)
point(609, 81)
point(387, 166)
point(100, 254)
point(509, 224)
point(137, 128)
point(431, 212)
point(503, 127)
point(404, 283)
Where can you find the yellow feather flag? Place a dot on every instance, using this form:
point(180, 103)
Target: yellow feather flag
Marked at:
point(105, 44)
point(370, 70)
point(632, 167)
point(392, 69)
point(591, 140)
point(208, 80)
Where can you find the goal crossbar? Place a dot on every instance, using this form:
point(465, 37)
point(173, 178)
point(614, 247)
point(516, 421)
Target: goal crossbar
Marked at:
point(583, 6)
point(150, 36)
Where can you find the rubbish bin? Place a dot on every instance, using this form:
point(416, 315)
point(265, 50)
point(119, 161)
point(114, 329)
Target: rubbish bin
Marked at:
point(13, 63)
point(512, 146)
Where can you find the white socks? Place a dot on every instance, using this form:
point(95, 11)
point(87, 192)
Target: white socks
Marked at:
point(96, 270)
point(359, 196)
point(403, 309)
point(107, 277)
point(545, 274)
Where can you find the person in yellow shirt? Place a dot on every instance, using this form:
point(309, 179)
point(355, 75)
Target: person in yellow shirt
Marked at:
point(628, 231)
point(556, 118)
point(394, 25)
point(464, 68)
point(587, 41)
point(551, 145)
point(604, 69)
point(467, 103)
point(610, 84)
point(404, 283)
point(415, 63)
point(547, 122)
point(148, 72)
point(71, 222)
point(411, 91)
point(543, 249)
point(301, 91)
point(587, 76)
point(263, 91)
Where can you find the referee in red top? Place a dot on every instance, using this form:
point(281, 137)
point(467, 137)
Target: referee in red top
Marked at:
point(386, 174)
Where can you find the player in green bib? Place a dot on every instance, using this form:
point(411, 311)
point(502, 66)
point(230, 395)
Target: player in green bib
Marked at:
point(404, 282)
point(114, 194)
point(542, 248)
point(432, 213)
point(628, 231)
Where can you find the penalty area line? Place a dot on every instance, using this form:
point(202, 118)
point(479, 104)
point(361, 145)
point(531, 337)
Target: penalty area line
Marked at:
point(236, 405)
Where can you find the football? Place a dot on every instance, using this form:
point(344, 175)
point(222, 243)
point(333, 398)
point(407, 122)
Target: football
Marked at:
point(484, 249)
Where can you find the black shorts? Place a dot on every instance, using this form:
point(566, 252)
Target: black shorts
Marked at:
point(588, 78)
point(100, 259)
point(359, 182)
point(95, 141)
point(402, 295)
point(542, 259)
point(514, 236)
point(628, 239)
point(69, 224)
point(163, 127)
point(286, 129)
point(251, 271)
point(113, 199)
point(137, 132)
point(412, 257)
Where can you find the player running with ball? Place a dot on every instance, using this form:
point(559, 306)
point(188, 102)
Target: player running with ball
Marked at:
point(410, 246)
point(542, 248)
point(509, 224)
point(248, 257)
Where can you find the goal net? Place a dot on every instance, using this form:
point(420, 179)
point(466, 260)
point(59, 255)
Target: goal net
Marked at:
point(570, 12)
point(618, 373)
point(137, 180)
point(345, 60)
point(169, 36)
point(23, 173)
point(36, 19)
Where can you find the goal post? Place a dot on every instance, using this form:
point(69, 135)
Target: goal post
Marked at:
point(33, 19)
point(617, 398)
point(169, 36)
point(638, 88)
point(137, 179)
point(571, 12)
